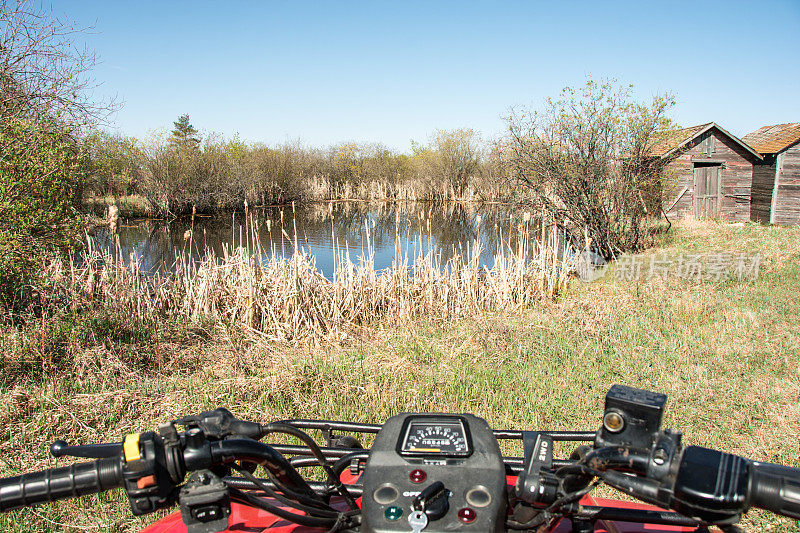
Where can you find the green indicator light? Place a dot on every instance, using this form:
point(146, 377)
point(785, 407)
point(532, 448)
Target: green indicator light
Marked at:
point(393, 513)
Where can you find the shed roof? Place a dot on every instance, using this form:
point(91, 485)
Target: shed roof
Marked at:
point(774, 139)
point(670, 142)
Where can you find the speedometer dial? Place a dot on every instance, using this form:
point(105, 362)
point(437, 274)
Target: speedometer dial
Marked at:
point(440, 436)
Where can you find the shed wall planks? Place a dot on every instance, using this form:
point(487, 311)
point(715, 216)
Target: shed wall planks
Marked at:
point(787, 195)
point(761, 195)
point(735, 174)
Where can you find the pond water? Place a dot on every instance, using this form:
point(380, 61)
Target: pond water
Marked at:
point(389, 231)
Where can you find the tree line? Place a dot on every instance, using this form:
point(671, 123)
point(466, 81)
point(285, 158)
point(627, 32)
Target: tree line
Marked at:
point(582, 159)
point(178, 172)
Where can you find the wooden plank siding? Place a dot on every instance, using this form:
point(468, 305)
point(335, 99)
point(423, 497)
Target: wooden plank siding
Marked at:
point(761, 193)
point(787, 194)
point(735, 176)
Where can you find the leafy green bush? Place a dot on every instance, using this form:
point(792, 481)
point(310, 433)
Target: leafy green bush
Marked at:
point(41, 175)
point(116, 164)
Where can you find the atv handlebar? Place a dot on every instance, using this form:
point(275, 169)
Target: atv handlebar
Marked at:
point(707, 484)
point(775, 488)
point(60, 483)
point(767, 486)
point(630, 453)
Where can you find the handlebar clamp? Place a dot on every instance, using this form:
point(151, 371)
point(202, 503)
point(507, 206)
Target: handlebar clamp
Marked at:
point(146, 476)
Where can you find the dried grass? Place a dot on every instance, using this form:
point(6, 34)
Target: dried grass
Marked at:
point(728, 356)
point(287, 299)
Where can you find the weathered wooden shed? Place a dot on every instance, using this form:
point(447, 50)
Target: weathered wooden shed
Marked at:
point(708, 173)
point(776, 180)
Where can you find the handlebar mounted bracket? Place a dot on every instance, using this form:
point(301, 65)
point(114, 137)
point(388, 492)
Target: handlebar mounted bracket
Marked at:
point(632, 417)
point(146, 478)
point(205, 503)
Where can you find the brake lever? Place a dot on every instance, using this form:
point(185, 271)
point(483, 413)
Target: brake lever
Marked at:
point(60, 448)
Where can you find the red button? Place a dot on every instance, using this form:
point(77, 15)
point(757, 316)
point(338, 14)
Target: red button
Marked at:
point(467, 515)
point(417, 476)
point(146, 481)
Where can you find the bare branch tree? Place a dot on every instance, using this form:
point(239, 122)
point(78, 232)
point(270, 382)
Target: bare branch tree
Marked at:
point(43, 70)
point(585, 160)
point(457, 157)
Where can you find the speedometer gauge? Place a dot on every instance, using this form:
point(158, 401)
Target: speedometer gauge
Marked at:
point(441, 436)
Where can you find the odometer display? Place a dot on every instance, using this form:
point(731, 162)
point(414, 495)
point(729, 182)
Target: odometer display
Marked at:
point(444, 436)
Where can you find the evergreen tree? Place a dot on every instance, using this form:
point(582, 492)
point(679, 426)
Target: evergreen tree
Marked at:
point(184, 135)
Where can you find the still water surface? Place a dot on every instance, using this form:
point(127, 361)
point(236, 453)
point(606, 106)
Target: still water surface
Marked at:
point(323, 230)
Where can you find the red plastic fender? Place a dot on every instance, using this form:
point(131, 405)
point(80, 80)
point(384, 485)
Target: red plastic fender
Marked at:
point(252, 520)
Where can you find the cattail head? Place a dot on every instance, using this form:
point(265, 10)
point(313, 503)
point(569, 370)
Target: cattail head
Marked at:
point(113, 218)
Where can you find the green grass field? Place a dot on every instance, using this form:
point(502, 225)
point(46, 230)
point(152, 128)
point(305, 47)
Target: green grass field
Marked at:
point(726, 352)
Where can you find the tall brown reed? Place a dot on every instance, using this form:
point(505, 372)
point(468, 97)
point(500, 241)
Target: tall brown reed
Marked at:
point(288, 299)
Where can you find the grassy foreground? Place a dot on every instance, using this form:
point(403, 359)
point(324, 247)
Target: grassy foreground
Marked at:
point(727, 353)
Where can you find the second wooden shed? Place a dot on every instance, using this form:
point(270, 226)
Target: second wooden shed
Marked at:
point(776, 180)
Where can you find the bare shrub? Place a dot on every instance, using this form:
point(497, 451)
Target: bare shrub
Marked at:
point(585, 159)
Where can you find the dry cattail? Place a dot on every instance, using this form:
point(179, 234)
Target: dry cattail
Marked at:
point(113, 219)
point(287, 299)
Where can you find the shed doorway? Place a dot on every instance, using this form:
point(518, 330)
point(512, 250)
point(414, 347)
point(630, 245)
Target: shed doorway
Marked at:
point(707, 190)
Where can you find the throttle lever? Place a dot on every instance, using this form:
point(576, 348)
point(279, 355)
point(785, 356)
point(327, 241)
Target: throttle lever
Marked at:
point(60, 448)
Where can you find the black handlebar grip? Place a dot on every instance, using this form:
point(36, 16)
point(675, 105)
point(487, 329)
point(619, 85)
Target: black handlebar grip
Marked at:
point(775, 488)
point(60, 483)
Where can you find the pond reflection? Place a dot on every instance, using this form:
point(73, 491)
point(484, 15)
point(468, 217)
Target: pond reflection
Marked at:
point(391, 232)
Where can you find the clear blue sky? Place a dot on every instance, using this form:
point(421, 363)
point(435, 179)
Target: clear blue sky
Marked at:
point(328, 72)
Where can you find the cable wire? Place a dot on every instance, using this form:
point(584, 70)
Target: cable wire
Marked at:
point(310, 509)
point(260, 503)
point(333, 479)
